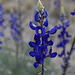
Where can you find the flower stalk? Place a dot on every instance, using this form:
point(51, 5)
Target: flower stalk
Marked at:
point(70, 53)
point(41, 37)
point(64, 39)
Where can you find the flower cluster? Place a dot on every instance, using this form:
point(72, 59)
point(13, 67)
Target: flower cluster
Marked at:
point(1, 24)
point(64, 37)
point(41, 37)
point(73, 13)
point(15, 32)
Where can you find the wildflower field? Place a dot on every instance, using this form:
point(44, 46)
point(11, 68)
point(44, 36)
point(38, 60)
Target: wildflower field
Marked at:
point(37, 37)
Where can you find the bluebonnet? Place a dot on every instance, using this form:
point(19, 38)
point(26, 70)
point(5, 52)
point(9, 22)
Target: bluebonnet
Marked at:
point(1, 24)
point(73, 13)
point(15, 32)
point(64, 37)
point(41, 37)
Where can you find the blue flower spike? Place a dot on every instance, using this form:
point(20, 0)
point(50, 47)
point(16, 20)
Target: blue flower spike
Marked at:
point(64, 39)
point(2, 27)
point(41, 37)
point(15, 30)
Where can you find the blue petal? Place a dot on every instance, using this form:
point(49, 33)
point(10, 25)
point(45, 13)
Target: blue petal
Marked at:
point(60, 36)
point(36, 64)
point(32, 53)
point(53, 55)
point(37, 39)
point(67, 35)
point(73, 13)
point(67, 23)
point(62, 53)
point(37, 28)
point(66, 41)
point(42, 49)
point(41, 61)
point(59, 45)
point(36, 17)
point(62, 66)
point(53, 30)
point(31, 44)
point(45, 48)
point(44, 55)
point(45, 38)
point(45, 14)
point(17, 31)
point(39, 58)
point(32, 26)
point(59, 27)
point(46, 22)
point(42, 30)
point(50, 42)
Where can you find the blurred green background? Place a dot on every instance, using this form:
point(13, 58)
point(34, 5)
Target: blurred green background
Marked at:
point(10, 64)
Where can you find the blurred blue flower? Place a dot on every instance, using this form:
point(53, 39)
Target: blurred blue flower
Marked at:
point(63, 37)
point(62, 53)
point(15, 31)
point(2, 20)
point(1, 16)
point(63, 17)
